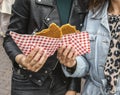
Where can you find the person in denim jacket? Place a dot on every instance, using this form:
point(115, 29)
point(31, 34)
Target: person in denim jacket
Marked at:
point(101, 66)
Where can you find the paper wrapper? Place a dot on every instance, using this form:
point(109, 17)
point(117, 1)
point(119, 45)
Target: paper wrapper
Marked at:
point(26, 42)
point(78, 40)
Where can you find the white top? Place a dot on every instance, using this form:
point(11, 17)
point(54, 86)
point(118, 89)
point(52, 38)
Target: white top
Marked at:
point(6, 6)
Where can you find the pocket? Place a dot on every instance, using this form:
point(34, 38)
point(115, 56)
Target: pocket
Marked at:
point(91, 55)
point(19, 77)
point(21, 83)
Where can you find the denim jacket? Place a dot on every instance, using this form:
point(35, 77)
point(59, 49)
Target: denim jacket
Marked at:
point(92, 64)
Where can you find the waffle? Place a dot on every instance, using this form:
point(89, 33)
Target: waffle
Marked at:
point(67, 29)
point(52, 31)
point(55, 31)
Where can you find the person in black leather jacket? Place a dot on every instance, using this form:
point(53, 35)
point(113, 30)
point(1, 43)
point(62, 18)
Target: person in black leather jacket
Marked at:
point(43, 76)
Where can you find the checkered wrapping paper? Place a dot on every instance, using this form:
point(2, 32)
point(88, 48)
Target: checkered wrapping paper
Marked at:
point(26, 42)
point(79, 40)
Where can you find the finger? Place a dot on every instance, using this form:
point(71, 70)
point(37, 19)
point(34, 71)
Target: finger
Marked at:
point(71, 53)
point(74, 56)
point(60, 52)
point(24, 64)
point(41, 62)
point(62, 61)
point(29, 67)
point(61, 49)
point(36, 57)
point(36, 67)
point(72, 59)
point(43, 57)
point(58, 57)
point(70, 63)
point(32, 54)
point(40, 66)
point(67, 50)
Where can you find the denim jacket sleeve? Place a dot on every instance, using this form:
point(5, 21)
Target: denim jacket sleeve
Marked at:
point(82, 68)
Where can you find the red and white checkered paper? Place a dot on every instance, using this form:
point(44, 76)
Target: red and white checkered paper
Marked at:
point(26, 42)
point(79, 40)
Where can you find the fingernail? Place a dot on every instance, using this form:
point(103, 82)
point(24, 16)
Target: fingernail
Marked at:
point(32, 47)
point(47, 55)
point(37, 47)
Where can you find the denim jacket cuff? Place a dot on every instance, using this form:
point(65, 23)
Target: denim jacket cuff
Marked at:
point(82, 68)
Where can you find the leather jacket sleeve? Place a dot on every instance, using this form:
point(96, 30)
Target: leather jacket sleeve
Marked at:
point(75, 84)
point(18, 23)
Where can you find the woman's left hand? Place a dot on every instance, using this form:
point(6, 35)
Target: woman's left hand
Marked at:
point(67, 55)
point(70, 93)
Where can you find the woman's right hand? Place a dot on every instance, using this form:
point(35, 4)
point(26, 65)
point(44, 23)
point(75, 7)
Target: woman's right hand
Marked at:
point(34, 61)
point(67, 55)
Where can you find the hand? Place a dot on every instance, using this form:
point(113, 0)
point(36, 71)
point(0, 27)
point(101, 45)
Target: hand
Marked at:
point(70, 92)
point(34, 61)
point(67, 55)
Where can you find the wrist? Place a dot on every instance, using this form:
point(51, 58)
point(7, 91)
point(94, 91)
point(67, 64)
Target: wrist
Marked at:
point(72, 69)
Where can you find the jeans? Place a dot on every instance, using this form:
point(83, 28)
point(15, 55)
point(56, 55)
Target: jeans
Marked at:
point(22, 85)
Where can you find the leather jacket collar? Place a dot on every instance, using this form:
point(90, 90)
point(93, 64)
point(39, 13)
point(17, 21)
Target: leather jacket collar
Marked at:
point(52, 4)
point(45, 2)
point(76, 9)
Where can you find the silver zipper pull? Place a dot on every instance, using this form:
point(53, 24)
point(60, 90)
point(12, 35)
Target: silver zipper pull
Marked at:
point(35, 30)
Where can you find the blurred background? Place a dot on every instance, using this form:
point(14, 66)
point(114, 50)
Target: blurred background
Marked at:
point(5, 71)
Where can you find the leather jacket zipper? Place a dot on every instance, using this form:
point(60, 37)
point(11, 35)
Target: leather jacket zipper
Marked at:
point(34, 31)
point(55, 65)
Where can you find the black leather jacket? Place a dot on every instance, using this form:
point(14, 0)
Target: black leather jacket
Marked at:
point(35, 15)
